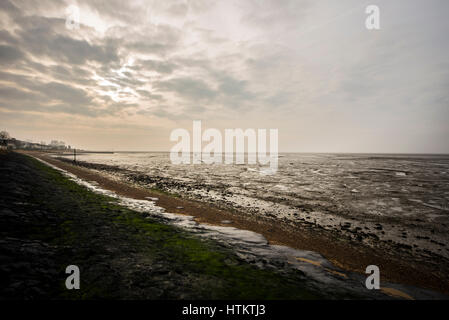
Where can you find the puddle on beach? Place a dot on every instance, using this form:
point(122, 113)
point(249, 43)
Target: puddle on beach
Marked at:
point(320, 274)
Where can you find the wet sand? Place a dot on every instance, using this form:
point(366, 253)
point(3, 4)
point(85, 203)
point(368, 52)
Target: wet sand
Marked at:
point(343, 253)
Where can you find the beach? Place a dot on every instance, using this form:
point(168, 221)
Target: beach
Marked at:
point(344, 253)
point(49, 222)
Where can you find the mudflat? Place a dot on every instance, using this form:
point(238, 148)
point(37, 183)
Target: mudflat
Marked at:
point(397, 266)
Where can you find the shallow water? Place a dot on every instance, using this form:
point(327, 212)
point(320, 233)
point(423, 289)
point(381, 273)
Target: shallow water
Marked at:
point(244, 185)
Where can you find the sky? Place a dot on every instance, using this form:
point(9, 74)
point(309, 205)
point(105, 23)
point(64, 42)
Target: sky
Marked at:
point(133, 71)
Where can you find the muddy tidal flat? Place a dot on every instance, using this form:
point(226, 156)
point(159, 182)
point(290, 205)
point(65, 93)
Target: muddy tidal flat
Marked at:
point(396, 204)
point(317, 260)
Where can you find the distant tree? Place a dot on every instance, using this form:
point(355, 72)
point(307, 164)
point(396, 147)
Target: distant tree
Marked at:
point(4, 135)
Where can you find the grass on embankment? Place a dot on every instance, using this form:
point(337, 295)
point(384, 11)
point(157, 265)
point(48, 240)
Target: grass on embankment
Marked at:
point(124, 254)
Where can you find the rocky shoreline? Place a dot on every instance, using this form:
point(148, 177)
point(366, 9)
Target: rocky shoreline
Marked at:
point(290, 284)
point(349, 246)
point(48, 222)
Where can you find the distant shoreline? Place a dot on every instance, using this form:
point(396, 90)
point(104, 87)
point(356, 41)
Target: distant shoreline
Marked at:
point(288, 152)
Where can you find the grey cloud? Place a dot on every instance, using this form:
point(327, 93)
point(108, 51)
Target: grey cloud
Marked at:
point(52, 90)
point(189, 88)
point(42, 36)
point(19, 80)
point(124, 11)
point(163, 111)
point(73, 74)
point(66, 49)
point(150, 96)
point(34, 94)
point(62, 72)
point(79, 51)
point(178, 9)
point(64, 92)
point(10, 94)
point(158, 66)
point(159, 40)
point(234, 88)
point(9, 8)
point(9, 54)
point(56, 98)
point(73, 109)
point(7, 38)
point(123, 81)
point(272, 13)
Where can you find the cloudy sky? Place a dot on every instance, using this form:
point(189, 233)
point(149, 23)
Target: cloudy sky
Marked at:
point(135, 70)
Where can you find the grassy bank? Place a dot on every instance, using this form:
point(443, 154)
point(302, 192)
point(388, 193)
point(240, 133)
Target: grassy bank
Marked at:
point(49, 222)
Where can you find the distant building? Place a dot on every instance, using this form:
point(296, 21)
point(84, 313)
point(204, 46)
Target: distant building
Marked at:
point(58, 145)
point(6, 142)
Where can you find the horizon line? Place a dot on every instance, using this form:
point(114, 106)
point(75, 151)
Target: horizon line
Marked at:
point(280, 152)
